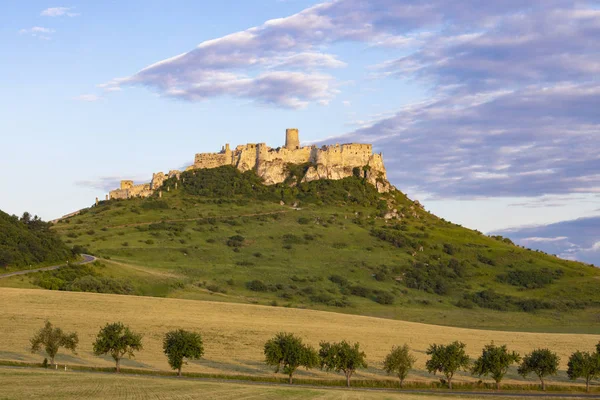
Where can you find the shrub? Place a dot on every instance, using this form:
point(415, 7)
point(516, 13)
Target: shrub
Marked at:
point(384, 298)
point(236, 241)
point(257, 286)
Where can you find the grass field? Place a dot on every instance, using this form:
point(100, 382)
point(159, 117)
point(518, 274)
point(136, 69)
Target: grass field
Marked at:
point(235, 333)
point(27, 384)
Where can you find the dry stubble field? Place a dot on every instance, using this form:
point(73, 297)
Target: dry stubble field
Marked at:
point(28, 384)
point(235, 333)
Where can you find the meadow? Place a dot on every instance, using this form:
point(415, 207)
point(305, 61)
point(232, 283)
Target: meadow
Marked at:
point(234, 334)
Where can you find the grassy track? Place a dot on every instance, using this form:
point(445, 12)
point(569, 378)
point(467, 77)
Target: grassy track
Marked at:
point(235, 333)
point(27, 384)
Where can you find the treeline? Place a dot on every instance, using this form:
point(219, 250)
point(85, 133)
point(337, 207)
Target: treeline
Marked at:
point(228, 182)
point(287, 352)
point(28, 240)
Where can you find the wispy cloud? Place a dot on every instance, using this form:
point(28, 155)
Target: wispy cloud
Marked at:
point(59, 12)
point(38, 31)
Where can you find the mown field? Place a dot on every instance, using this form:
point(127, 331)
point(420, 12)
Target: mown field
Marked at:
point(27, 384)
point(234, 334)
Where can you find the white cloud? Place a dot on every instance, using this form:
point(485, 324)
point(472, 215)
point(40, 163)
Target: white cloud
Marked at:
point(59, 12)
point(38, 31)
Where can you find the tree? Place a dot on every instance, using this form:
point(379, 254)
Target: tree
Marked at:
point(584, 365)
point(447, 359)
point(494, 361)
point(399, 362)
point(117, 340)
point(342, 357)
point(542, 362)
point(287, 352)
point(179, 345)
point(53, 339)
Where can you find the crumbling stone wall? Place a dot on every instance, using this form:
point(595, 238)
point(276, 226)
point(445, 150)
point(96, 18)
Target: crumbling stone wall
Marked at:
point(329, 162)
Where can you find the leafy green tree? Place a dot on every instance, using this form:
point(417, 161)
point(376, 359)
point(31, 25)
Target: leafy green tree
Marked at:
point(447, 359)
point(399, 362)
point(117, 340)
point(584, 365)
point(495, 361)
point(342, 357)
point(179, 345)
point(52, 339)
point(287, 352)
point(541, 362)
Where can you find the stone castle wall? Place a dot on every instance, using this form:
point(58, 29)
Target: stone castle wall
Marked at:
point(329, 162)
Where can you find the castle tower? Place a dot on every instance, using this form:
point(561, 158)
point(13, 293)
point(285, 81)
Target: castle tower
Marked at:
point(292, 140)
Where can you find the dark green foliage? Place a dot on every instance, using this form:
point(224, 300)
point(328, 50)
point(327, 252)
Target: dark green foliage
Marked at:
point(449, 249)
point(27, 241)
point(496, 301)
point(257, 286)
point(303, 221)
point(52, 339)
point(327, 299)
point(81, 278)
point(431, 278)
point(236, 241)
point(287, 352)
point(385, 298)
point(447, 359)
point(117, 340)
point(395, 237)
point(541, 362)
point(530, 279)
point(360, 291)
point(584, 365)
point(180, 345)
point(399, 362)
point(342, 357)
point(494, 361)
point(339, 280)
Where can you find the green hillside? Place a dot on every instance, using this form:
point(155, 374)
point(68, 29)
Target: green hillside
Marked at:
point(29, 241)
point(222, 235)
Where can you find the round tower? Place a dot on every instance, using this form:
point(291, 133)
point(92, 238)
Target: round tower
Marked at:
point(291, 139)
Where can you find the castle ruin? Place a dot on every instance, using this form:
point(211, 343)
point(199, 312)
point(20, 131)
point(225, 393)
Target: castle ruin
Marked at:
point(327, 162)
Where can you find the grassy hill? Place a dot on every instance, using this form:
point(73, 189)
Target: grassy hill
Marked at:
point(222, 235)
point(29, 241)
point(234, 334)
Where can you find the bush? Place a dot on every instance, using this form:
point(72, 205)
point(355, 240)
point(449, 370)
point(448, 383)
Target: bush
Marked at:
point(257, 286)
point(236, 241)
point(303, 220)
point(530, 279)
point(385, 298)
point(339, 280)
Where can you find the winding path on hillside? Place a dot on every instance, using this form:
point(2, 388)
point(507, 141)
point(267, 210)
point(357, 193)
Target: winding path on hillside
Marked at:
point(86, 260)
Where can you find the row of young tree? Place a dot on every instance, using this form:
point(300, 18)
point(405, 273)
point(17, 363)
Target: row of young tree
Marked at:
point(286, 352)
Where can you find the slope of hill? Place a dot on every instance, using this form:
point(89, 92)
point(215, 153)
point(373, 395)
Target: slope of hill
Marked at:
point(29, 241)
point(336, 245)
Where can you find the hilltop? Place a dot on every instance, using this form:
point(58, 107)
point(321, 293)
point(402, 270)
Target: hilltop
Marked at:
point(338, 245)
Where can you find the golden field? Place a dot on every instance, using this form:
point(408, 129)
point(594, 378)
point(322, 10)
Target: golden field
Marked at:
point(50, 385)
point(235, 333)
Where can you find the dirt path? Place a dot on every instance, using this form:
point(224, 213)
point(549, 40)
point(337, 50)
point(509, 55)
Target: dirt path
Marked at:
point(86, 260)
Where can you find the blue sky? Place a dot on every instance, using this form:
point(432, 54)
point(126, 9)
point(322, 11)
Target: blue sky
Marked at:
point(485, 111)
